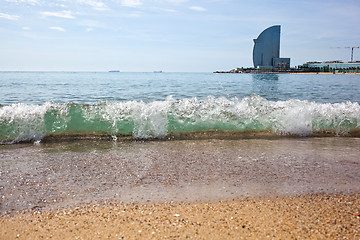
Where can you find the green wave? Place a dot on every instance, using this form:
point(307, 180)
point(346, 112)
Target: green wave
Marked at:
point(184, 118)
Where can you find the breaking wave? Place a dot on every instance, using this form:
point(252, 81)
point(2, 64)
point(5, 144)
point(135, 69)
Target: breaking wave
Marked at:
point(159, 119)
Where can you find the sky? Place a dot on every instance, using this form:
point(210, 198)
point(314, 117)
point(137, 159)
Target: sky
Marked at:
point(170, 35)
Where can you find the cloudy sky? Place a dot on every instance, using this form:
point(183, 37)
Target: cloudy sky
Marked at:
point(170, 35)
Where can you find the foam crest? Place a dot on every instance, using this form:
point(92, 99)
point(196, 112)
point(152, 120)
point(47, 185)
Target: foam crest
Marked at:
point(138, 119)
point(256, 113)
point(23, 122)
point(142, 120)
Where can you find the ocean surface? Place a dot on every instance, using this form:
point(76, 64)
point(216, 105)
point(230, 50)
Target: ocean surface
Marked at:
point(35, 106)
point(71, 138)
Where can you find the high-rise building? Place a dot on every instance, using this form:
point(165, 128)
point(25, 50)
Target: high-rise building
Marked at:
point(266, 50)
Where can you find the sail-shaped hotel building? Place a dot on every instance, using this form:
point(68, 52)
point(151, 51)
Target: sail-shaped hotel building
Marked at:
point(266, 50)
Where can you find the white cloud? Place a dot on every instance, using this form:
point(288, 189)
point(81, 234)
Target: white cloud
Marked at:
point(31, 35)
point(62, 14)
point(133, 14)
point(58, 29)
point(9, 17)
point(31, 2)
point(173, 1)
point(197, 8)
point(91, 25)
point(168, 10)
point(60, 5)
point(130, 3)
point(97, 5)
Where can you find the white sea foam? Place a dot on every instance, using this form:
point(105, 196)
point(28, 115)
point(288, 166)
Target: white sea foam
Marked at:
point(27, 121)
point(256, 113)
point(147, 119)
point(23, 122)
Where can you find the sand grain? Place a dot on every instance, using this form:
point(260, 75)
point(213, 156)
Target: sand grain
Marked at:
point(302, 217)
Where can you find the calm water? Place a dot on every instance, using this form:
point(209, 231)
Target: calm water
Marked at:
point(91, 88)
point(151, 105)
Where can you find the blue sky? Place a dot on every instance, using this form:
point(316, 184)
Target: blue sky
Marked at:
point(169, 35)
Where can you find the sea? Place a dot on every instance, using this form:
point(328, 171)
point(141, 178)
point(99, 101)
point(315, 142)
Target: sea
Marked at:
point(72, 138)
point(35, 106)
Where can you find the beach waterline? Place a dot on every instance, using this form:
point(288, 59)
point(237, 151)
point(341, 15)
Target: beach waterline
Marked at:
point(56, 175)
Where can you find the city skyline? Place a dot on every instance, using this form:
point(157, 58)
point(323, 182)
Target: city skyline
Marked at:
point(169, 35)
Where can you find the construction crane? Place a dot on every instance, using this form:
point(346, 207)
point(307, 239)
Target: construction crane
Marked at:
point(352, 52)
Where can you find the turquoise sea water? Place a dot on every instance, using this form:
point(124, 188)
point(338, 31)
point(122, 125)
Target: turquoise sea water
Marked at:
point(36, 105)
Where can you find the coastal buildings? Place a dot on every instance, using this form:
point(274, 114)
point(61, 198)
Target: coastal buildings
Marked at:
point(266, 52)
point(266, 58)
point(331, 66)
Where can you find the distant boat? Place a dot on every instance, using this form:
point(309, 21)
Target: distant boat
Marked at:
point(114, 71)
point(158, 71)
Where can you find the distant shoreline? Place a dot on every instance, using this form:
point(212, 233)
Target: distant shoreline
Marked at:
point(327, 73)
point(321, 73)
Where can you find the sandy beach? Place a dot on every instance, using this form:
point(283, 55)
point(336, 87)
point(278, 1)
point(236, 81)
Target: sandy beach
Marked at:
point(286, 188)
point(301, 217)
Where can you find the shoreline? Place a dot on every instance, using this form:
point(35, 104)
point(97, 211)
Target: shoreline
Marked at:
point(220, 189)
point(54, 175)
point(327, 73)
point(322, 216)
point(191, 135)
point(311, 73)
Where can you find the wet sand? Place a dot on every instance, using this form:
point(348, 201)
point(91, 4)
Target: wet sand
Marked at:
point(284, 188)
